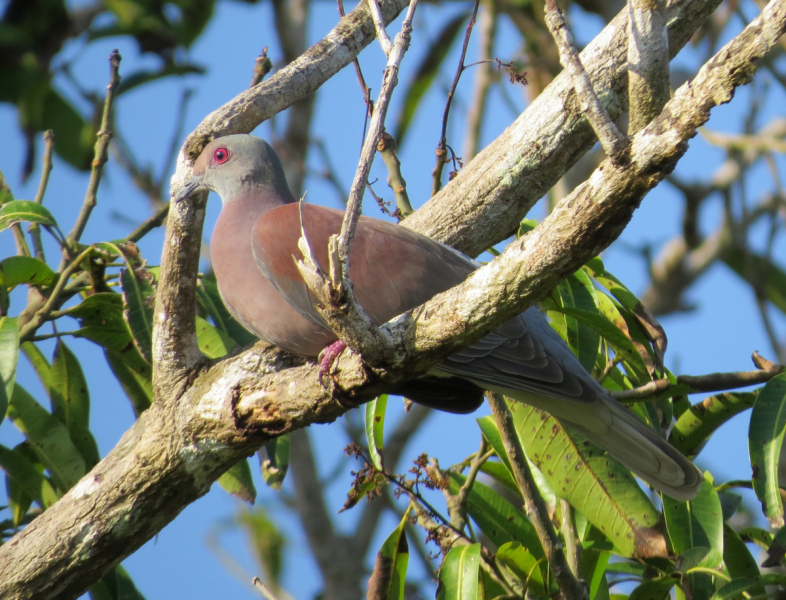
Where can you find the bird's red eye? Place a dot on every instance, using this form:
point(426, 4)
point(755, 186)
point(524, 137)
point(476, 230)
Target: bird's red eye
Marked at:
point(220, 155)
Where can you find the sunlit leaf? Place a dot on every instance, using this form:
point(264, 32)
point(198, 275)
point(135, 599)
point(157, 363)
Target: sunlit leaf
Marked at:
point(17, 211)
point(592, 481)
point(238, 481)
point(274, 460)
point(696, 425)
point(375, 427)
point(765, 438)
point(458, 576)
point(17, 270)
point(698, 523)
point(213, 342)
point(390, 569)
point(48, 438)
point(9, 356)
point(524, 565)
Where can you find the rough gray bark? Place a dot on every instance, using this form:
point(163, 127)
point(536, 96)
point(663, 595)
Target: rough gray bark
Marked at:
point(207, 416)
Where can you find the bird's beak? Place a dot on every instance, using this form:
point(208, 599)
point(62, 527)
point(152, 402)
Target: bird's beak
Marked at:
point(193, 184)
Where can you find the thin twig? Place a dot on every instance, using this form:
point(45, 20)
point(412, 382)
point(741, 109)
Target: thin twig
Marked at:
point(441, 151)
point(714, 382)
point(569, 585)
point(42, 315)
point(387, 148)
point(103, 138)
point(339, 306)
point(484, 78)
point(262, 66)
point(379, 26)
point(35, 229)
point(157, 219)
point(614, 143)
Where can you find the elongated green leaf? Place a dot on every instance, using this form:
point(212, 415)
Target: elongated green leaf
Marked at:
point(208, 295)
point(427, 71)
point(116, 585)
point(655, 589)
point(390, 569)
point(48, 438)
point(499, 519)
point(525, 566)
point(22, 472)
point(490, 431)
point(375, 428)
point(591, 481)
point(698, 523)
point(274, 460)
point(694, 563)
point(777, 549)
point(101, 319)
point(501, 474)
point(458, 576)
point(38, 361)
point(238, 481)
point(18, 501)
point(138, 296)
point(696, 425)
point(71, 401)
point(9, 356)
point(741, 588)
point(765, 438)
point(577, 291)
point(134, 376)
point(739, 560)
point(17, 211)
point(17, 270)
point(757, 535)
point(622, 344)
point(213, 342)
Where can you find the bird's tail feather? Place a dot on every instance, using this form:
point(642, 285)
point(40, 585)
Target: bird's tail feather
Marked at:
point(610, 425)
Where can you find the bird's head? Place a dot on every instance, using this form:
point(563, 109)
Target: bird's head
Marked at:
point(237, 166)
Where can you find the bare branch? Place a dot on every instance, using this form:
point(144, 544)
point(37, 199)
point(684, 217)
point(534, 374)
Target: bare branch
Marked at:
point(614, 143)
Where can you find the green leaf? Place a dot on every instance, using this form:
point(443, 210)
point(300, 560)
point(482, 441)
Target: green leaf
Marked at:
point(694, 563)
point(139, 295)
point(499, 519)
point(390, 569)
point(777, 549)
point(427, 71)
point(577, 291)
point(622, 344)
point(698, 523)
point(592, 481)
point(458, 575)
point(9, 356)
point(237, 481)
point(17, 270)
point(17, 211)
point(135, 377)
point(490, 431)
point(655, 589)
point(145, 76)
point(521, 562)
point(71, 401)
point(116, 585)
point(375, 428)
point(48, 437)
point(266, 542)
point(765, 438)
point(275, 461)
point(101, 319)
point(742, 588)
point(697, 424)
point(23, 473)
point(738, 559)
point(38, 361)
point(213, 342)
point(501, 474)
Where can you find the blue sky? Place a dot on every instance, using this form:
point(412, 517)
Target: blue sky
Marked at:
point(720, 336)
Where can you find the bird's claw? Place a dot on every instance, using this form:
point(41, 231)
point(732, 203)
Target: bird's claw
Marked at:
point(326, 359)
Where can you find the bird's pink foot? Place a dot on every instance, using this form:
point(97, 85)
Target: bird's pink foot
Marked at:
point(326, 358)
